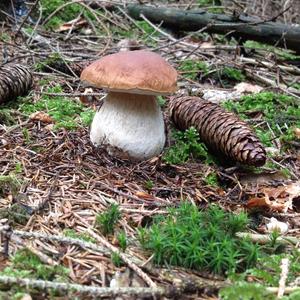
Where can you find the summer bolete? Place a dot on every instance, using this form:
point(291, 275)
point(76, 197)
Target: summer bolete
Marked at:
point(130, 118)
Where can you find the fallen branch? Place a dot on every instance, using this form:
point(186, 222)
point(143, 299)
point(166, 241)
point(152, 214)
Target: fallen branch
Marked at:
point(241, 27)
point(283, 277)
point(83, 289)
point(261, 63)
point(264, 239)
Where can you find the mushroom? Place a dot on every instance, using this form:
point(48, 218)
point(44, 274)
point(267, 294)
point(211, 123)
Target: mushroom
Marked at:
point(130, 120)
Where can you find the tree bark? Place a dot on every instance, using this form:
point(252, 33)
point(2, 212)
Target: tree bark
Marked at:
point(241, 27)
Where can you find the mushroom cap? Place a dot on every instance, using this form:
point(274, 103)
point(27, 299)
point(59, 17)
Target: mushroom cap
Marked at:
point(138, 72)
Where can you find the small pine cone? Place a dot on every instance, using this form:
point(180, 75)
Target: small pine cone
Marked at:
point(15, 80)
point(222, 132)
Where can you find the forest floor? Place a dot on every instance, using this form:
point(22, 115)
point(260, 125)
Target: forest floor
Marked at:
point(72, 214)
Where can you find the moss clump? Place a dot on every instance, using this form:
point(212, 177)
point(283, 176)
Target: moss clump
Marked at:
point(228, 74)
point(71, 233)
point(6, 117)
point(9, 184)
point(66, 14)
point(281, 112)
point(267, 272)
point(27, 264)
point(65, 112)
point(187, 145)
point(191, 68)
point(17, 213)
point(107, 220)
point(201, 240)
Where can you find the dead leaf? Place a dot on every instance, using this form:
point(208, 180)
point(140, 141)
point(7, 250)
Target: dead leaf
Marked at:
point(75, 24)
point(278, 199)
point(41, 116)
point(264, 202)
point(244, 87)
point(297, 132)
point(144, 195)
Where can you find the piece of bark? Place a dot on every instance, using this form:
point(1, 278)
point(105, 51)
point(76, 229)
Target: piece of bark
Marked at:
point(222, 132)
point(239, 26)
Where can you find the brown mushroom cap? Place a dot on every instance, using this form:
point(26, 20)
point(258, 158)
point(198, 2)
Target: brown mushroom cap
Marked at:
point(139, 72)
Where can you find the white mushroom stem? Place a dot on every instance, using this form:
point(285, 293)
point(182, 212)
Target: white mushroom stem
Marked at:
point(131, 123)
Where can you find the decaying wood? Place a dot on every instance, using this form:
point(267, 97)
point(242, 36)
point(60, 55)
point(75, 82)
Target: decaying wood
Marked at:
point(223, 132)
point(241, 27)
point(15, 80)
point(83, 289)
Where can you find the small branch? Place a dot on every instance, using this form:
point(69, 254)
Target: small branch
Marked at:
point(70, 94)
point(288, 290)
point(264, 239)
point(61, 239)
point(290, 69)
point(124, 257)
point(283, 277)
point(19, 241)
point(83, 289)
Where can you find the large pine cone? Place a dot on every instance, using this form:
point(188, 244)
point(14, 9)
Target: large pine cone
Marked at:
point(222, 132)
point(15, 80)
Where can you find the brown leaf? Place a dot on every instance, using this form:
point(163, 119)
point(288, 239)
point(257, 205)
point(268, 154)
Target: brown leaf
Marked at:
point(264, 202)
point(41, 116)
point(144, 195)
point(279, 198)
point(75, 23)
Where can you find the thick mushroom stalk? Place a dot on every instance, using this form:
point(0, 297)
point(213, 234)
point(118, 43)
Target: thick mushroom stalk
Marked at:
point(131, 123)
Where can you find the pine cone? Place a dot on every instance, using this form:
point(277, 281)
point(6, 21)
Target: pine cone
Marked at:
point(222, 132)
point(15, 80)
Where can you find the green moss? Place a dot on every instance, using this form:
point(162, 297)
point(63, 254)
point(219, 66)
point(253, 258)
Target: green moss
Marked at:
point(66, 14)
point(71, 233)
point(149, 184)
point(5, 37)
point(16, 213)
point(122, 240)
point(281, 112)
point(282, 53)
point(143, 32)
point(116, 260)
point(26, 264)
point(245, 291)
point(233, 74)
point(191, 68)
point(6, 117)
point(66, 112)
point(187, 145)
point(201, 240)
point(107, 220)
point(211, 179)
point(9, 184)
point(267, 272)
